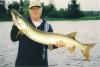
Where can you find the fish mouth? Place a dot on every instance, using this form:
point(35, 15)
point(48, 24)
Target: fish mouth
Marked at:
point(14, 17)
point(13, 11)
point(18, 20)
point(15, 14)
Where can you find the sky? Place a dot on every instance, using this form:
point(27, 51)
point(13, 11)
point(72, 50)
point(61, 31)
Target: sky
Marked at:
point(84, 4)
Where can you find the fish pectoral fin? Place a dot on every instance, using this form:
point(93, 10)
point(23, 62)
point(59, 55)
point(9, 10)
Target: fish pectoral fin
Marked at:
point(86, 52)
point(72, 35)
point(72, 50)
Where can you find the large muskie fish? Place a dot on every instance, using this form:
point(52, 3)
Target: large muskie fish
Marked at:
point(48, 38)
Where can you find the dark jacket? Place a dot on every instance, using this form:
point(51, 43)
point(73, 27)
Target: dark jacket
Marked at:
point(30, 53)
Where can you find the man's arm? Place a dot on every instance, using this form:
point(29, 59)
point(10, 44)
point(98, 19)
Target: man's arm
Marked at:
point(14, 34)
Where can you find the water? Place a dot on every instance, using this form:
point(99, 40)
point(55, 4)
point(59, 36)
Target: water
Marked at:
point(88, 32)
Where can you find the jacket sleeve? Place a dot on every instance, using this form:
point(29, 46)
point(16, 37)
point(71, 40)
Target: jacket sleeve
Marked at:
point(13, 33)
point(51, 30)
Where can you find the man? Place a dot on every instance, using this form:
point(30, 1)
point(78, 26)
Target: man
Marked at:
point(31, 53)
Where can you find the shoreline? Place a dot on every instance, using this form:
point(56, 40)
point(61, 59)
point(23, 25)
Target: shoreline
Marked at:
point(66, 19)
point(60, 20)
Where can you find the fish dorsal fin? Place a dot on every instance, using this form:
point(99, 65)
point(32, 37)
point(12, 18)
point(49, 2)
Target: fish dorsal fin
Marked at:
point(72, 35)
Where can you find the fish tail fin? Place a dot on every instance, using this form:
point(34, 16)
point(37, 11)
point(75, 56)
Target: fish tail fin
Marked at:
point(86, 51)
point(72, 50)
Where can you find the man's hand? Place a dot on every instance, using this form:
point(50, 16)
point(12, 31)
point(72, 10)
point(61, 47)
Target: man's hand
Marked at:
point(60, 44)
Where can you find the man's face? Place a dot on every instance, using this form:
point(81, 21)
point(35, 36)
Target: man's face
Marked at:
point(35, 12)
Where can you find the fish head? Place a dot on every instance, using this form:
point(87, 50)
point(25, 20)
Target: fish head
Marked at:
point(18, 20)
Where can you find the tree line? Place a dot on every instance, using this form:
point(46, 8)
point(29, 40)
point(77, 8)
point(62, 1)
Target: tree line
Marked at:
point(49, 11)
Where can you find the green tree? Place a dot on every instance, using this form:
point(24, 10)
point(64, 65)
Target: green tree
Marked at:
point(44, 11)
point(62, 13)
point(53, 13)
point(49, 11)
point(21, 6)
point(3, 11)
point(16, 5)
point(73, 10)
point(24, 7)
